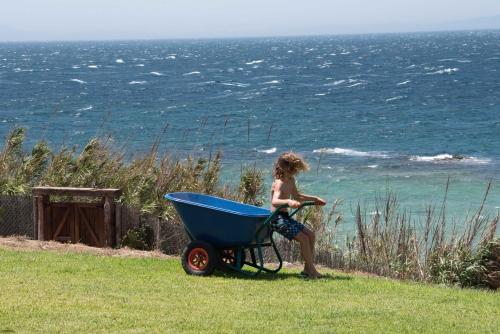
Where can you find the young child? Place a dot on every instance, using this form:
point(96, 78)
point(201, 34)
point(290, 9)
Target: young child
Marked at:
point(284, 191)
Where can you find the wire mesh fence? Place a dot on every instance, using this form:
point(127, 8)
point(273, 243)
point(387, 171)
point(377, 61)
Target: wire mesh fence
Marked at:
point(16, 215)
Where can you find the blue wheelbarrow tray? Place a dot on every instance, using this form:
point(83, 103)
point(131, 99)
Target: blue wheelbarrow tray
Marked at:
point(222, 223)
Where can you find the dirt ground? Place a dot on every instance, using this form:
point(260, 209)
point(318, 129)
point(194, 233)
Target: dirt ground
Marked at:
point(22, 243)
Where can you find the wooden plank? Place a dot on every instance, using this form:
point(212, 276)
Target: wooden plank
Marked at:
point(69, 191)
point(61, 224)
point(40, 221)
point(35, 218)
point(87, 224)
point(108, 202)
point(118, 224)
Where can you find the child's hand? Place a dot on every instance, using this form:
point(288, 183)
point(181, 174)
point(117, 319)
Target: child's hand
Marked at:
point(293, 204)
point(320, 201)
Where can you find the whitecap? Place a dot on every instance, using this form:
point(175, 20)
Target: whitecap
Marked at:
point(350, 152)
point(137, 82)
point(78, 80)
point(156, 74)
point(85, 108)
point(320, 94)
point(75, 67)
point(403, 83)
point(140, 65)
point(394, 98)
point(92, 66)
point(192, 73)
point(356, 84)
point(446, 70)
point(170, 57)
point(255, 62)
point(446, 157)
point(268, 151)
point(372, 166)
point(272, 82)
point(119, 61)
point(338, 82)
point(456, 60)
point(234, 84)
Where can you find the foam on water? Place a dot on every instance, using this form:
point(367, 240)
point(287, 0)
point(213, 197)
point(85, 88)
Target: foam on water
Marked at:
point(446, 157)
point(394, 98)
point(78, 80)
point(156, 74)
point(119, 61)
point(255, 62)
point(137, 82)
point(351, 152)
point(192, 73)
point(403, 83)
point(445, 71)
point(268, 151)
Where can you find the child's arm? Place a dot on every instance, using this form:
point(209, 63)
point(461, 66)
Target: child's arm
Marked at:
point(303, 197)
point(277, 201)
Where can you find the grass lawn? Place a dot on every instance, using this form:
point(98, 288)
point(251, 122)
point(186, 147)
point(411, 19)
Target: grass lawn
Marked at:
point(42, 291)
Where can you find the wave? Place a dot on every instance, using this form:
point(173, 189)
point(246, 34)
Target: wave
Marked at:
point(137, 82)
point(192, 73)
point(456, 60)
point(78, 80)
point(446, 157)
point(268, 151)
point(320, 94)
point(75, 67)
point(394, 98)
point(255, 62)
point(356, 84)
point(156, 74)
point(234, 84)
point(119, 61)
point(446, 70)
point(92, 66)
point(170, 57)
point(140, 65)
point(403, 83)
point(350, 152)
point(85, 108)
point(272, 82)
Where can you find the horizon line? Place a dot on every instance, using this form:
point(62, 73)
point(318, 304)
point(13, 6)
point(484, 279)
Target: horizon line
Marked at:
point(249, 37)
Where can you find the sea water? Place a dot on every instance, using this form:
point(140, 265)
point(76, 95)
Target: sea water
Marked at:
point(371, 113)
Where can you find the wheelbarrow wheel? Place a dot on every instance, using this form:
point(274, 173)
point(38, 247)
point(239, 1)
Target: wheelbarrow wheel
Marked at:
point(199, 258)
point(228, 257)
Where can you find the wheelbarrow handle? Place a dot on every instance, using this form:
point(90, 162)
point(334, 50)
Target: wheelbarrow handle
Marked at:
point(303, 204)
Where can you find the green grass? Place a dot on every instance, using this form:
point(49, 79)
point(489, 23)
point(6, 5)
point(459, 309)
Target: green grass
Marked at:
point(68, 292)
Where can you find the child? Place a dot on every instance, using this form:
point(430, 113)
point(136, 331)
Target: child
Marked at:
point(284, 191)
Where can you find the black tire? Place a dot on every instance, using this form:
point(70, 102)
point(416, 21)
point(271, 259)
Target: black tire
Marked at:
point(228, 257)
point(199, 258)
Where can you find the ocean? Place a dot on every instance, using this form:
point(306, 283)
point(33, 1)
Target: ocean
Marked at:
point(371, 113)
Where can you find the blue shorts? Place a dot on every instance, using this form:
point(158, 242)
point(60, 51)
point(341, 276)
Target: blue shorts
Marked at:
point(286, 226)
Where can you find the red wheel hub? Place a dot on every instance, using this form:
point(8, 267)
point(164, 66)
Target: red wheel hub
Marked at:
point(198, 258)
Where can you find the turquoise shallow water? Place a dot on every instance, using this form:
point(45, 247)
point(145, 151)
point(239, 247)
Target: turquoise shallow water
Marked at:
point(369, 112)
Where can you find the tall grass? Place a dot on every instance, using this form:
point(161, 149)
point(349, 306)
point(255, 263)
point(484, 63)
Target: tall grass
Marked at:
point(390, 242)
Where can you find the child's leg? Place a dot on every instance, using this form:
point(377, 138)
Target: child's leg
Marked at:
point(305, 249)
point(312, 239)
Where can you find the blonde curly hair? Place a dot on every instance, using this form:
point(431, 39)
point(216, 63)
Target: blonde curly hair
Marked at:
point(289, 163)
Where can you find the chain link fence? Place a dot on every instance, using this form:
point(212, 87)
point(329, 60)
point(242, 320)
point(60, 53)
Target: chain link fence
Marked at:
point(16, 216)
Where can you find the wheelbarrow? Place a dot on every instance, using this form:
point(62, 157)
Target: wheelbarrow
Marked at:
point(222, 232)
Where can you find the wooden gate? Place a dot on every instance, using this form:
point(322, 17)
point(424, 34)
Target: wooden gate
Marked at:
point(76, 223)
point(96, 224)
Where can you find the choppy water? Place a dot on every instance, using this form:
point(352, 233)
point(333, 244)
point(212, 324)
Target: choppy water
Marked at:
point(403, 111)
